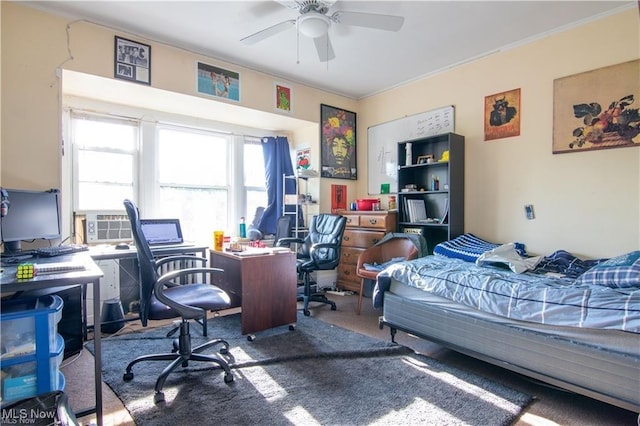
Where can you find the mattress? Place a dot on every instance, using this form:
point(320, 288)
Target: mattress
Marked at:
point(527, 297)
point(613, 341)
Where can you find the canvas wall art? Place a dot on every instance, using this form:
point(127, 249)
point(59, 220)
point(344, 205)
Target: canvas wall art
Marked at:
point(502, 115)
point(597, 109)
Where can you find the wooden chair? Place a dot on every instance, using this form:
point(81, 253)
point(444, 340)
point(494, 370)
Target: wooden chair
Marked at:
point(381, 253)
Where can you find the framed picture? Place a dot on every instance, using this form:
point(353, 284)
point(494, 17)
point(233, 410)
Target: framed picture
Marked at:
point(132, 61)
point(502, 115)
point(591, 110)
point(283, 97)
point(337, 143)
point(218, 82)
point(424, 159)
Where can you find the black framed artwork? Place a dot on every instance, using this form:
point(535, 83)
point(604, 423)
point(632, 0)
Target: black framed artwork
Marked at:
point(132, 61)
point(338, 143)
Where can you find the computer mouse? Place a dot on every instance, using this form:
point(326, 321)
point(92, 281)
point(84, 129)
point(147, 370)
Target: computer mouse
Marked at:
point(122, 246)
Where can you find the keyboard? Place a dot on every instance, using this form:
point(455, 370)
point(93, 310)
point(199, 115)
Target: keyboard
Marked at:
point(53, 268)
point(60, 250)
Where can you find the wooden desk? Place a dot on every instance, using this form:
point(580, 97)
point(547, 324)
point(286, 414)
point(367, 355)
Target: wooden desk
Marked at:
point(89, 276)
point(263, 286)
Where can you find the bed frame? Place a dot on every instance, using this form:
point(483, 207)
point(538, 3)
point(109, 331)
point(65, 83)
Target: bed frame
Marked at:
point(583, 367)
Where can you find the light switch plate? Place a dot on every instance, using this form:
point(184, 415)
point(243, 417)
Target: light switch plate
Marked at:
point(528, 209)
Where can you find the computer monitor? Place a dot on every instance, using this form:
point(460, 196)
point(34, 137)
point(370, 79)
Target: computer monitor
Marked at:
point(31, 215)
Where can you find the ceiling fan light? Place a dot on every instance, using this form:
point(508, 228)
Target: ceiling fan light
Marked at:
point(313, 24)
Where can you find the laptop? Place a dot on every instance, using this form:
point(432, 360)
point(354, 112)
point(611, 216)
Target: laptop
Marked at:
point(163, 232)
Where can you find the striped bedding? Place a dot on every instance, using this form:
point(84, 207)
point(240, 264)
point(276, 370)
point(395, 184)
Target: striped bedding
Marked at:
point(526, 297)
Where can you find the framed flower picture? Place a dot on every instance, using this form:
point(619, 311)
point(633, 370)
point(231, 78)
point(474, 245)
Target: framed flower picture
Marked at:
point(338, 143)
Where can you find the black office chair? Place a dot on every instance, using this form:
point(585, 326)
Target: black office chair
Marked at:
point(284, 225)
point(160, 299)
point(319, 250)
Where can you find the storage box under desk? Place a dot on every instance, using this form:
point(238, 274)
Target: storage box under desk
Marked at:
point(32, 350)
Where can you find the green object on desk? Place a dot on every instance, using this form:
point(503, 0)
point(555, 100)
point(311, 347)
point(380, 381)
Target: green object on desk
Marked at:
point(25, 271)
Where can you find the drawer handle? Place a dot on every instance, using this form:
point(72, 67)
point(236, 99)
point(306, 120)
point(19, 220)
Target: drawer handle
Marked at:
point(374, 240)
point(347, 273)
point(348, 220)
point(346, 254)
point(345, 238)
point(373, 221)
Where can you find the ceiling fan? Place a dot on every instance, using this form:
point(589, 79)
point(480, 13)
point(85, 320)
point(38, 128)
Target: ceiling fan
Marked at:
point(314, 23)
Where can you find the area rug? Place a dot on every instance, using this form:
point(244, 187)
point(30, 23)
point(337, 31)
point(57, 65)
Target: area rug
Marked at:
point(317, 374)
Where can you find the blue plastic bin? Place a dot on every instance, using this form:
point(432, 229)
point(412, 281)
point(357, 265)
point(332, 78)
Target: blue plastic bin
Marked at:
point(31, 350)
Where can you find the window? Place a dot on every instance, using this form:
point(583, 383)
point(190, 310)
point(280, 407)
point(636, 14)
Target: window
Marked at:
point(205, 178)
point(106, 151)
point(193, 179)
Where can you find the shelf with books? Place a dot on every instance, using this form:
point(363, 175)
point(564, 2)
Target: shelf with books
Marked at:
point(431, 195)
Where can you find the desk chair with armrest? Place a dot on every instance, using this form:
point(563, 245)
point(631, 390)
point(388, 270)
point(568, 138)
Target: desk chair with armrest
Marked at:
point(379, 254)
point(161, 299)
point(319, 250)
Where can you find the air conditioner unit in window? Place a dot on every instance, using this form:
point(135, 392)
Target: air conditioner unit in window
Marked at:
point(106, 227)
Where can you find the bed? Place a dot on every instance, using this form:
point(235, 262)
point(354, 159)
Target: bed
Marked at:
point(569, 323)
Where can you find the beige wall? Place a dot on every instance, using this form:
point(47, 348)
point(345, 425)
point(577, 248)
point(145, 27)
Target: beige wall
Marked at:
point(34, 47)
point(587, 203)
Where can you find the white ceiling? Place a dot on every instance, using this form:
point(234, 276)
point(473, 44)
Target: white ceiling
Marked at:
point(436, 35)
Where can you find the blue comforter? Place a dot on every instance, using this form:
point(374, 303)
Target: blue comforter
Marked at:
point(526, 297)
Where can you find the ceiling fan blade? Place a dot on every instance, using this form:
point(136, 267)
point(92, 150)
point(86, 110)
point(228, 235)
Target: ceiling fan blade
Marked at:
point(291, 4)
point(324, 48)
point(369, 20)
point(268, 32)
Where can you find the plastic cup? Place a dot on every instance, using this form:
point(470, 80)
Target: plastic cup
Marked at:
point(218, 237)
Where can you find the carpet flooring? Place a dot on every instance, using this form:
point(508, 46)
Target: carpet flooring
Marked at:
point(318, 374)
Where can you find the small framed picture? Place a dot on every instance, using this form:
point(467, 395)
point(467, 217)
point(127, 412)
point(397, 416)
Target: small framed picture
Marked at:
point(283, 97)
point(424, 159)
point(218, 82)
point(132, 61)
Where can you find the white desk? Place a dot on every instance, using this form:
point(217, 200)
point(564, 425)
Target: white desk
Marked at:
point(110, 252)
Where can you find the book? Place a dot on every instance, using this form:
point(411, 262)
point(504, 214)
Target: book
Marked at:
point(417, 210)
point(445, 211)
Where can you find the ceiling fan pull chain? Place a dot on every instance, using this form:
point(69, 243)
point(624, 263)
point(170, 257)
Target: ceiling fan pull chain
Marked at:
point(327, 50)
point(297, 45)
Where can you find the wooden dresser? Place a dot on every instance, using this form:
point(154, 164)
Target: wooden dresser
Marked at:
point(364, 229)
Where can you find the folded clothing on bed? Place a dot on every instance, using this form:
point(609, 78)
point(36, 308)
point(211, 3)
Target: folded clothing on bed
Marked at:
point(563, 262)
point(507, 255)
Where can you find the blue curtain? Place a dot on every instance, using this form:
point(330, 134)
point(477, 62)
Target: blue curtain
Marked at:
point(277, 162)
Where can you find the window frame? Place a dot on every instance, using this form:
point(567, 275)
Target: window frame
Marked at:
point(145, 157)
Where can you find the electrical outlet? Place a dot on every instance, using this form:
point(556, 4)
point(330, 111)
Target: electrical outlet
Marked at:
point(528, 209)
